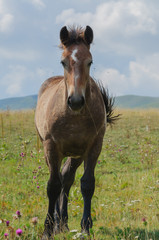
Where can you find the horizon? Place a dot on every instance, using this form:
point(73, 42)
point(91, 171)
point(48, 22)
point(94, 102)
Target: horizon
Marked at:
point(111, 94)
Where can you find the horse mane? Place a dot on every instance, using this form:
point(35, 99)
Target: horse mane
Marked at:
point(76, 35)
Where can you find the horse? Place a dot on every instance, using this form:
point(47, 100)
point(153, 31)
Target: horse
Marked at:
point(71, 116)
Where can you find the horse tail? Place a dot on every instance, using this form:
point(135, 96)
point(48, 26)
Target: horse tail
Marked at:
point(109, 104)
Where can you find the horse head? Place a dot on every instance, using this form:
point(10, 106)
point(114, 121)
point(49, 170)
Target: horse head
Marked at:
point(76, 60)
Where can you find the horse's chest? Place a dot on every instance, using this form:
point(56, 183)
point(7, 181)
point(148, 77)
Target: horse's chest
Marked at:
point(74, 135)
point(72, 130)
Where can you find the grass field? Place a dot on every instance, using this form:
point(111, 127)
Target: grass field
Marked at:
point(126, 200)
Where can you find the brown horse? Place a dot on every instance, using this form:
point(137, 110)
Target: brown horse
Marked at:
point(71, 116)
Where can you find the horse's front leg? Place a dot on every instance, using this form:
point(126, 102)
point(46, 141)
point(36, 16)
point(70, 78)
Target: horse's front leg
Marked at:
point(68, 176)
point(88, 182)
point(54, 185)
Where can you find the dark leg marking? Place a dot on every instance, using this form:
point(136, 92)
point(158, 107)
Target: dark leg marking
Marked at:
point(53, 187)
point(68, 176)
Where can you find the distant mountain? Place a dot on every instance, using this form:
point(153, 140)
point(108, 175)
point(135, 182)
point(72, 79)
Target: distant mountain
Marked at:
point(127, 101)
point(18, 103)
point(133, 101)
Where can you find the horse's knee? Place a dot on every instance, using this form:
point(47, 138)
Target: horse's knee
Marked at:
point(87, 186)
point(54, 188)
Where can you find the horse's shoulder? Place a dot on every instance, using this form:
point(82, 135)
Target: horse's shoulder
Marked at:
point(49, 82)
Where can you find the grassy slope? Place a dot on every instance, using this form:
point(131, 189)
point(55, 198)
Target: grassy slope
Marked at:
point(127, 180)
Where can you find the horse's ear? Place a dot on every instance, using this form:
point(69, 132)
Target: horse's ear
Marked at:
point(64, 35)
point(88, 35)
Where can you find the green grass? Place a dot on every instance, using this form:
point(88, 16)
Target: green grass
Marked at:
point(125, 205)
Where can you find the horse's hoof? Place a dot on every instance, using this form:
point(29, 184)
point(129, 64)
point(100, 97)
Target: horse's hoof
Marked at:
point(46, 236)
point(84, 235)
point(58, 229)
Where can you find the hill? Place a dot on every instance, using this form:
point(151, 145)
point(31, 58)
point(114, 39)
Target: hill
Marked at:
point(127, 101)
point(133, 101)
point(18, 103)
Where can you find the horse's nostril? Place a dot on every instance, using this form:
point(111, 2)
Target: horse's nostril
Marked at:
point(69, 101)
point(76, 102)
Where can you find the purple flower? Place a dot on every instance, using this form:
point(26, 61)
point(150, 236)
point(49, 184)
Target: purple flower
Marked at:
point(19, 232)
point(119, 150)
point(39, 167)
point(6, 235)
point(144, 219)
point(38, 187)
point(98, 162)
point(18, 213)
point(7, 223)
point(34, 177)
point(22, 154)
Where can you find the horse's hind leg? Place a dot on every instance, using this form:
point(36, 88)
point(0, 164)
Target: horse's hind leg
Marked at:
point(54, 185)
point(68, 176)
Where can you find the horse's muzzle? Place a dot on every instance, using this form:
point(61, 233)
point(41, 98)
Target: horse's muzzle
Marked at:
point(76, 102)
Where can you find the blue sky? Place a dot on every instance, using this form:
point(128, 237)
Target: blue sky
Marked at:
point(125, 47)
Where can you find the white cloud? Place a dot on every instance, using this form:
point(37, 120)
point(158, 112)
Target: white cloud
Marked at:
point(6, 22)
point(38, 3)
point(20, 80)
point(6, 18)
point(25, 55)
point(113, 80)
point(126, 17)
point(117, 25)
point(145, 72)
point(70, 17)
point(142, 78)
point(14, 79)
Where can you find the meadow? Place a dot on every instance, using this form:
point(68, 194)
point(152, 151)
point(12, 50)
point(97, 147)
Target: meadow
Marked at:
point(125, 205)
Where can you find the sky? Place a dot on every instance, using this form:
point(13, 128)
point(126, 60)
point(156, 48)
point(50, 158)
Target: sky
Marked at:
point(125, 48)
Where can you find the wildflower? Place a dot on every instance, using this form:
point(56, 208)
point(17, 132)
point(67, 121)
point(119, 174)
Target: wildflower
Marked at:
point(144, 221)
point(7, 223)
point(6, 235)
point(119, 150)
point(98, 162)
point(39, 167)
point(19, 232)
point(34, 220)
point(38, 187)
point(18, 214)
point(22, 154)
point(34, 177)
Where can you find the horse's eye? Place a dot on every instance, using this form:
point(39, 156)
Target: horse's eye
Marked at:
point(63, 63)
point(90, 63)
